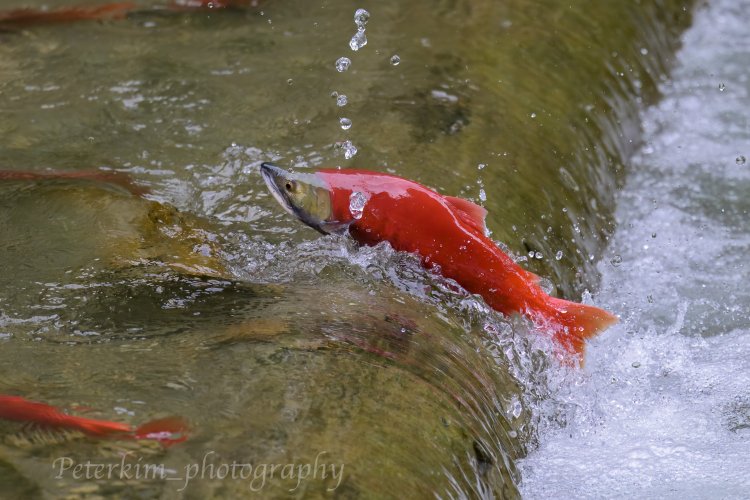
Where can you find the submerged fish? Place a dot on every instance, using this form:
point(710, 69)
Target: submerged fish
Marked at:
point(168, 431)
point(448, 234)
point(118, 10)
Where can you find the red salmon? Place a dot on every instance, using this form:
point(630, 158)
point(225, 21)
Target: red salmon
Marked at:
point(448, 234)
point(167, 431)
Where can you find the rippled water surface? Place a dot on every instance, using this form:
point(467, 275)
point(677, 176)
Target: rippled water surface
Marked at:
point(204, 299)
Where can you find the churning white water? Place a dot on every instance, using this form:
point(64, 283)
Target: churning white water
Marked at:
point(663, 407)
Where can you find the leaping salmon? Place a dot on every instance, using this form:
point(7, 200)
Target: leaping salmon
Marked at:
point(448, 234)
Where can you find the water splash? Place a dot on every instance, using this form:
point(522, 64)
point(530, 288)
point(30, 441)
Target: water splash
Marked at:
point(357, 202)
point(361, 16)
point(342, 64)
point(349, 149)
point(358, 41)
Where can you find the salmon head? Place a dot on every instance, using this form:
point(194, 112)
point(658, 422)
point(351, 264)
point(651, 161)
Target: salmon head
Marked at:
point(307, 196)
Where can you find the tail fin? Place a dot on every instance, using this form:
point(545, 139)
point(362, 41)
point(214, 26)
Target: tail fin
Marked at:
point(167, 431)
point(573, 323)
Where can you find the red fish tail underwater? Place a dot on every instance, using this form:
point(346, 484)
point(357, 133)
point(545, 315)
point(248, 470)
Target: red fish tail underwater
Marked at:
point(571, 323)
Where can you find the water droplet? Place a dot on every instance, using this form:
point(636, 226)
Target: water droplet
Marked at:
point(342, 64)
point(533, 115)
point(636, 364)
point(481, 166)
point(395, 60)
point(650, 299)
point(357, 203)
point(644, 52)
point(512, 434)
point(334, 94)
point(616, 260)
point(361, 16)
point(559, 255)
point(358, 41)
point(740, 160)
point(653, 235)
point(346, 123)
point(482, 195)
point(349, 149)
point(516, 410)
point(722, 87)
point(341, 100)
point(538, 256)
point(290, 81)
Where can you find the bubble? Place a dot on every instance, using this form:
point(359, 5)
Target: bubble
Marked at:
point(481, 166)
point(361, 16)
point(290, 81)
point(346, 123)
point(334, 94)
point(358, 41)
point(538, 256)
point(644, 51)
point(395, 60)
point(357, 203)
point(533, 115)
point(616, 260)
point(722, 87)
point(342, 64)
point(341, 100)
point(740, 160)
point(636, 364)
point(559, 255)
point(349, 149)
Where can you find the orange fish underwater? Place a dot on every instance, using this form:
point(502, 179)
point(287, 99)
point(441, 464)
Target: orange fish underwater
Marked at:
point(168, 431)
point(447, 233)
point(119, 10)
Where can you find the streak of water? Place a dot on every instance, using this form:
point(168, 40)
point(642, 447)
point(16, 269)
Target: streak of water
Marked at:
point(664, 410)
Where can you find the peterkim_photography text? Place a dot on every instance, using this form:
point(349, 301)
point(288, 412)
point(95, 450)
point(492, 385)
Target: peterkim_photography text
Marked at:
point(257, 475)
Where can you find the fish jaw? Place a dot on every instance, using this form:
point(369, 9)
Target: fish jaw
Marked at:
point(304, 195)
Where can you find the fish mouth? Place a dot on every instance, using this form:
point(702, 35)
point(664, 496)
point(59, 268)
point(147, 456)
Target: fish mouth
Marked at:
point(270, 173)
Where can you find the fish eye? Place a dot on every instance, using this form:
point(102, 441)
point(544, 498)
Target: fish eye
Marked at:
point(290, 185)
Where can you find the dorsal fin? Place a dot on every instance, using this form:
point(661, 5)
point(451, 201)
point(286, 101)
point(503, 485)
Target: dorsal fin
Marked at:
point(470, 213)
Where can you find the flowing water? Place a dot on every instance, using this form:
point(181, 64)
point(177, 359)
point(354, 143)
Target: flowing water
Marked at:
point(204, 299)
point(664, 408)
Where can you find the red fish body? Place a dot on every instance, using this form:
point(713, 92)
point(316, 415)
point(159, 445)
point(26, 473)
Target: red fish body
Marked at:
point(449, 233)
point(118, 10)
point(29, 16)
point(16, 408)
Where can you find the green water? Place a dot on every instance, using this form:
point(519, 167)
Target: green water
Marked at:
point(279, 346)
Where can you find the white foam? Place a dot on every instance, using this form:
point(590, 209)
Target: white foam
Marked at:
point(664, 407)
